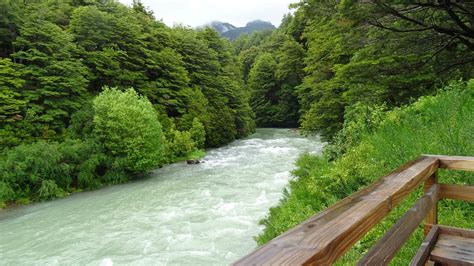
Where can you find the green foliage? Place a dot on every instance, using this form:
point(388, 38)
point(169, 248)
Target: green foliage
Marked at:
point(12, 104)
point(11, 82)
point(197, 154)
point(377, 144)
point(182, 143)
point(24, 168)
point(127, 125)
point(359, 120)
point(6, 192)
point(220, 128)
point(55, 58)
point(49, 190)
point(198, 133)
point(263, 85)
point(55, 83)
point(331, 55)
point(273, 70)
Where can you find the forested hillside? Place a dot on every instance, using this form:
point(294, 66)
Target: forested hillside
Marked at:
point(383, 83)
point(173, 91)
point(331, 55)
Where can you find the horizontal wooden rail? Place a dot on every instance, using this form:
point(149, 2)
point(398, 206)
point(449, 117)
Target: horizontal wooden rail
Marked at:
point(457, 192)
point(464, 163)
point(386, 248)
point(326, 236)
point(323, 238)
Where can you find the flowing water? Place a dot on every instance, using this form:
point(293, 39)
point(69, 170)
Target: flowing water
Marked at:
point(204, 214)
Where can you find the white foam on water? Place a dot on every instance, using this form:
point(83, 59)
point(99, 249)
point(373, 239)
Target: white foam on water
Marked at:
point(262, 198)
point(205, 214)
point(107, 262)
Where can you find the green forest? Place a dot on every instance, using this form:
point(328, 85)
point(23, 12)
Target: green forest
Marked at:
point(94, 92)
point(382, 82)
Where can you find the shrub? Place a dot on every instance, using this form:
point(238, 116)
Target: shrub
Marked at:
point(182, 143)
point(24, 168)
point(198, 133)
point(6, 193)
point(127, 125)
point(82, 124)
point(49, 190)
point(442, 124)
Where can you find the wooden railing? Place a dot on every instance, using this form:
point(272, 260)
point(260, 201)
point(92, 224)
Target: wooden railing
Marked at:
point(325, 237)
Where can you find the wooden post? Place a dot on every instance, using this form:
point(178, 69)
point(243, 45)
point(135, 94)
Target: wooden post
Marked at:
point(432, 216)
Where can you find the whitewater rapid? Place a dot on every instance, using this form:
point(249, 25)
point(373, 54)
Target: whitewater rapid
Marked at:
point(205, 214)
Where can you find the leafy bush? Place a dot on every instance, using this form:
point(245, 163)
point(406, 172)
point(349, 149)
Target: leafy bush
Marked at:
point(182, 143)
point(6, 192)
point(127, 125)
point(198, 133)
point(359, 121)
point(24, 168)
point(49, 190)
point(442, 124)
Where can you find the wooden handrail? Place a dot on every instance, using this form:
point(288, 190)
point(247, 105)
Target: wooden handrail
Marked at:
point(326, 236)
point(386, 248)
point(465, 163)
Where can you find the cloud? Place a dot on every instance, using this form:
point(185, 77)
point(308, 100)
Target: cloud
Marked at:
point(199, 12)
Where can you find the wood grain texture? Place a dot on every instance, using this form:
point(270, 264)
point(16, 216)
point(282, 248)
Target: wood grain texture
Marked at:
point(457, 192)
point(388, 246)
point(456, 231)
point(453, 250)
point(424, 251)
point(465, 163)
point(432, 215)
point(323, 238)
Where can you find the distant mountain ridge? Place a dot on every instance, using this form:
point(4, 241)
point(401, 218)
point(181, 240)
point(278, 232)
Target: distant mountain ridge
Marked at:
point(232, 32)
point(221, 27)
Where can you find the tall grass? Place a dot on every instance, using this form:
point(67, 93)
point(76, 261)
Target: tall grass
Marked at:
point(441, 124)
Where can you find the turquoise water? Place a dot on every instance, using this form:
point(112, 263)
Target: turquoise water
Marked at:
point(204, 214)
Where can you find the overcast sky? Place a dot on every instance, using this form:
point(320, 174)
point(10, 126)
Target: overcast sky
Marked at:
point(198, 12)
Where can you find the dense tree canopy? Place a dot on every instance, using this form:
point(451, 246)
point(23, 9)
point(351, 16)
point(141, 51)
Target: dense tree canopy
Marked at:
point(68, 51)
point(57, 61)
point(340, 53)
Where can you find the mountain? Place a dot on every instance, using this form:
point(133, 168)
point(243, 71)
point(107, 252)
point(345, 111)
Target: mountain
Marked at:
point(221, 27)
point(231, 32)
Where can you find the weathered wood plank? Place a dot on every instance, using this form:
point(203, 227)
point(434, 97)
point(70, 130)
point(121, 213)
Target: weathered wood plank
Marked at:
point(428, 244)
point(457, 192)
point(323, 238)
point(432, 216)
point(447, 230)
point(386, 248)
point(453, 250)
point(465, 163)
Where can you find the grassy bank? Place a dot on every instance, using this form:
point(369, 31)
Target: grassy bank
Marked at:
point(373, 143)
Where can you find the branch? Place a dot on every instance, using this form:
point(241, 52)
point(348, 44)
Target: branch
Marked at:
point(452, 32)
point(458, 21)
point(453, 65)
point(380, 25)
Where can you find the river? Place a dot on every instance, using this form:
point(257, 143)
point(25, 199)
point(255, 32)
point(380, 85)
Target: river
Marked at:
point(204, 214)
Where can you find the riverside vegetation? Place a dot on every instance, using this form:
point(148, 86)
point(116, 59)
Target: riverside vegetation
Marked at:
point(381, 82)
point(95, 93)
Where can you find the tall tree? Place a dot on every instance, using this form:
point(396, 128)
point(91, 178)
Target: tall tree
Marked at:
point(55, 80)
